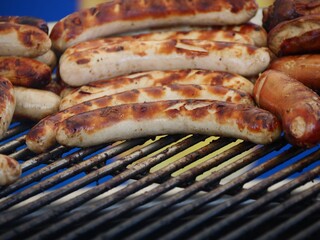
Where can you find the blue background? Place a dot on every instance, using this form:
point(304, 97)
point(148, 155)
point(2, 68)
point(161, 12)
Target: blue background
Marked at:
point(47, 10)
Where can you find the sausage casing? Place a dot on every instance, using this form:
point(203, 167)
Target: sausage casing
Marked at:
point(27, 20)
point(10, 170)
point(79, 67)
point(35, 104)
point(304, 68)
point(114, 17)
point(7, 105)
point(42, 136)
point(22, 40)
point(129, 121)
point(155, 78)
point(296, 105)
point(25, 72)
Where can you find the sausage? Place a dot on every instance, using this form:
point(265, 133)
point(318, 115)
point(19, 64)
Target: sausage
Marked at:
point(298, 36)
point(198, 34)
point(35, 104)
point(27, 20)
point(296, 105)
point(249, 33)
point(155, 78)
point(42, 136)
point(79, 67)
point(283, 10)
point(121, 16)
point(25, 72)
point(304, 68)
point(10, 170)
point(7, 105)
point(22, 40)
point(49, 58)
point(134, 120)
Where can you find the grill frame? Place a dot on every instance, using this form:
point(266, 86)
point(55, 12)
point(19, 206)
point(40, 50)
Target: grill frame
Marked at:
point(186, 194)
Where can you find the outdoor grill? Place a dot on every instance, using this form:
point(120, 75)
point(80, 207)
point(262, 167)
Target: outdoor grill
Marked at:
point(168, 187)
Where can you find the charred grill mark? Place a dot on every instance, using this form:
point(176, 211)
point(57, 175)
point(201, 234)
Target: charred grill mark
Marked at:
point(83, 61)
point(128, 96)
point(155, 92)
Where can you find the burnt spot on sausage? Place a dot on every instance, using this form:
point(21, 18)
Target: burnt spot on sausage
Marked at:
point(83, 61)
point(128, 96)
point(155, 92)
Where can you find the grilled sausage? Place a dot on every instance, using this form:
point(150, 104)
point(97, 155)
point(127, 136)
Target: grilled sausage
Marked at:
point(42, 136)
point(7, 105)
point(49, 58)
point(304, 68)
point(283, 10)
point(10, 170)
point(297, 36)
point(27, 20)
point(155, 78)
point(25, 72)
point(198, 34)
point(296, 105)
point(129, 121)
point(35, 104)
point(22, 40)
point(122, 16)
point(79, 67)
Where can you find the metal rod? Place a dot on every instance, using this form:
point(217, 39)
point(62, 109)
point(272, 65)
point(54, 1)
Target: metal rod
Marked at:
point(293, 221)
point(214, 194)
point(311, 231)
point(12, 145)
point(95, 191)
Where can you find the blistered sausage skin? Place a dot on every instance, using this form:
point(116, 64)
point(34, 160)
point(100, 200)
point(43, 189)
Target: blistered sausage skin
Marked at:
point(27, 20)
point(199, 34)
point(304, 68)
point(10, 170)
point(25, 72)
point(42, 136)
point(22, 40)
point(155, 78)
point(296, 105)
point(7, 105)
point(106, 61)
point(122, 16)
point(129, 121)
point(35, 104)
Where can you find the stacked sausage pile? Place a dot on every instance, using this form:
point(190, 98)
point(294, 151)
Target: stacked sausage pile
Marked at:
point(25, 61)
point(289, 88)
point(140, 68)
point(150, 84)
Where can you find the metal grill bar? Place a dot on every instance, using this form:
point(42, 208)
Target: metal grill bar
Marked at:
point(12, 145)
point(238, 215)
point(133, 187)
point(150, 195)
point(103, 187)
point(310, 231)
point(177, 198)
point(212, 195)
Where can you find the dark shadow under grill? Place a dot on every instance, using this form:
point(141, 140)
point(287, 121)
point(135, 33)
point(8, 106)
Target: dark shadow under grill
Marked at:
point(169, 187)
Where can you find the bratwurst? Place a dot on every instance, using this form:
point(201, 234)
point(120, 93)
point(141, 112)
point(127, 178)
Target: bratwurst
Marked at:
point(129, 121)
point(42, 136)
point(296, 105)
point(120, 16)
point(81, 66)
point(155, 78)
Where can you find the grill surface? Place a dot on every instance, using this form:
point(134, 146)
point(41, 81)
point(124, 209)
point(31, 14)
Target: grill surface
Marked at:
point(169, 187)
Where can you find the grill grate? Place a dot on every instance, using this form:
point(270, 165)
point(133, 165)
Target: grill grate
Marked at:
point(170, 187)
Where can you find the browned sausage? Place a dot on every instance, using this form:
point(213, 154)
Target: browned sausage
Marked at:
point(10, 170)
point(120, 16)
point(129, 121)
point(42, 136)
point(27, 20)
point(155, 78)
point(304, 68)
point(296, 105)
point(7, 105)
point(25, 72)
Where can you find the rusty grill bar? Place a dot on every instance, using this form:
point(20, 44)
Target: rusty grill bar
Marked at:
point(169, 187)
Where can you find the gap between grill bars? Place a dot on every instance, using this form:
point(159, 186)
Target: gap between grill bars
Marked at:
point(168, 187)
